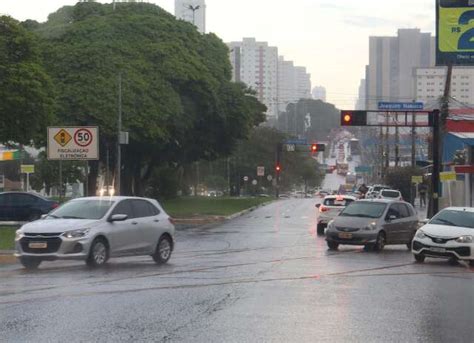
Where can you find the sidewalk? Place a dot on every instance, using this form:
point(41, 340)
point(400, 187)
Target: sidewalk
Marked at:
point(422, 211)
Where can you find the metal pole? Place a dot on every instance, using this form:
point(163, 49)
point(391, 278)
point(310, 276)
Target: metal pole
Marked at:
point(436, 163)
point(60, 179)
point(107, 169)
point(277, 172)
point(413, 141)
point(86, 179)
point(119, 130)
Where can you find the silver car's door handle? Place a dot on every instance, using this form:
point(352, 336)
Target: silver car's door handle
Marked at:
point(156, 220)
point(134, 223)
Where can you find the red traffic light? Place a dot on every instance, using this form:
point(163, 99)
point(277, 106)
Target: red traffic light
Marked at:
point(314, 147)
point(278, 168)
point(353, 118)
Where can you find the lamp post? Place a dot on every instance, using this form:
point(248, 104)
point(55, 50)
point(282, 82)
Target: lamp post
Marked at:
point(194, 9)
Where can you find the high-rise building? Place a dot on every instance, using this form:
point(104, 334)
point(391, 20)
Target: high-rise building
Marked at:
point(276, 81)
point(430, 85)
point(294, 83)
point(193, 11)
point(256, 64)
point(319, 93)
point(390, 75)
point(360, 105)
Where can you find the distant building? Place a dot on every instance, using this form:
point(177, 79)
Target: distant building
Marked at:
point(193, 11)
point(390, 75)
point(360, 105)
point(319, 93)
point(430, 85)
point(256, 64)
point(294, 83)
point(276, 81)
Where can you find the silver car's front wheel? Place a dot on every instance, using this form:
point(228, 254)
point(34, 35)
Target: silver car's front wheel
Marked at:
point(163, 250)
point(99, 253)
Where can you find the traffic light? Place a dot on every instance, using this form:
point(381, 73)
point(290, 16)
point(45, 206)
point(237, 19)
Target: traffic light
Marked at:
point(278, 168)
point(353, 118)
point(317, 147)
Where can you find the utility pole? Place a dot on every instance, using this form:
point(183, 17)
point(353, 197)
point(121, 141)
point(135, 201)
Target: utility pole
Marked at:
point(439, 129)
point(413, 141)
point(387, 144)
point(397, 148)
point(119, 136)
point(436, 164)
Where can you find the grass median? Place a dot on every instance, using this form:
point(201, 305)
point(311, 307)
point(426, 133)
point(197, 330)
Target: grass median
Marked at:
point(7, 238)
point(188, 207)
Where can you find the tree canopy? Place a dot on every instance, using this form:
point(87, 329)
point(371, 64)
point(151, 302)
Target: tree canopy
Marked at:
point(179, 103)
point(26, 98)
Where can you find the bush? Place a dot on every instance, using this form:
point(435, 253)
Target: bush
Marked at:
point(400, 178)
point(163, 183)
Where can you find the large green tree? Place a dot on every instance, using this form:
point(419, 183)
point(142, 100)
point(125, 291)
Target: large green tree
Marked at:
point(179, 103)
point(26, 98)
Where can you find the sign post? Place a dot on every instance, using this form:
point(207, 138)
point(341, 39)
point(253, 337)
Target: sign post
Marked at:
point(27, 169)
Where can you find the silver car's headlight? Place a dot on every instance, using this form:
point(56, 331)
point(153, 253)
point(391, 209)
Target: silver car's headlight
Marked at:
point(464, 239)
point(18, 235)
point(371, 226)
point(420, 234)
point(76, 233)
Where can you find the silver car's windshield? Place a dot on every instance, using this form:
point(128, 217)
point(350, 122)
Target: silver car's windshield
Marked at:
point(83, 209)
point(454, 218)
point(364, 210)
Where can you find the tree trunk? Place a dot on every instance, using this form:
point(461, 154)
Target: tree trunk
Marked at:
point(92, 178)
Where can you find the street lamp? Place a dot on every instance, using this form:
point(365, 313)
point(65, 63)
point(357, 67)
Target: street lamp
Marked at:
point(194, 9)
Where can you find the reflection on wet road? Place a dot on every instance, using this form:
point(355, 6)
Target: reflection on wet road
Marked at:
point(265, 276)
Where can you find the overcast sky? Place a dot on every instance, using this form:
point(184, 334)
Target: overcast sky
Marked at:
point(329, 37)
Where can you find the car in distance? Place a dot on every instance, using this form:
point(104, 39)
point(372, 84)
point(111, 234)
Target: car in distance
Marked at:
point(373, 224)
point(22, 206)
point(449, 235)
point(375, 190)
point(94, 229)
point(391, 194)
point(330, 207)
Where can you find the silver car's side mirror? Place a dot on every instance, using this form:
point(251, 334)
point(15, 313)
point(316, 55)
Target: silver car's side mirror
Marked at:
point(118, 218)
point(424, 221)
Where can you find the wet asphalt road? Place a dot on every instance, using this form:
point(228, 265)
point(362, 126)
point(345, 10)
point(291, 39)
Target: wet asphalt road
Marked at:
point(262, 277)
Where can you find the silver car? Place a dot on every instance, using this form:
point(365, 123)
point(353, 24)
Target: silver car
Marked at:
point(373, 223)
point(96, 228)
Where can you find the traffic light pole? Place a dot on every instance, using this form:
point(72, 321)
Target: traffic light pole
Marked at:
point(436, 163)
point(279, 148)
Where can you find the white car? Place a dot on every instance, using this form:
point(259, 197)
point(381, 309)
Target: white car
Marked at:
point(330, 208)
point(96, 228)
point(390, 194)
point(449, 235)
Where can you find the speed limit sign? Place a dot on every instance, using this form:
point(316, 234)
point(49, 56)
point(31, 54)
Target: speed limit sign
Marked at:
point(83, 137)
point(73, 143)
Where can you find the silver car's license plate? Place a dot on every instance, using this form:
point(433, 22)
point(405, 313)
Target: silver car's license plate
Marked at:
point(37, 245)
point(438, 249)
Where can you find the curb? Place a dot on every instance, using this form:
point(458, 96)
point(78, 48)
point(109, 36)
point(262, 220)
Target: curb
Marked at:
point(6, 257)
point(219, 219)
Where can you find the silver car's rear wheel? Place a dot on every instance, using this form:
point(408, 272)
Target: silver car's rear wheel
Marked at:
point(99, 253)
point(163, 250)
